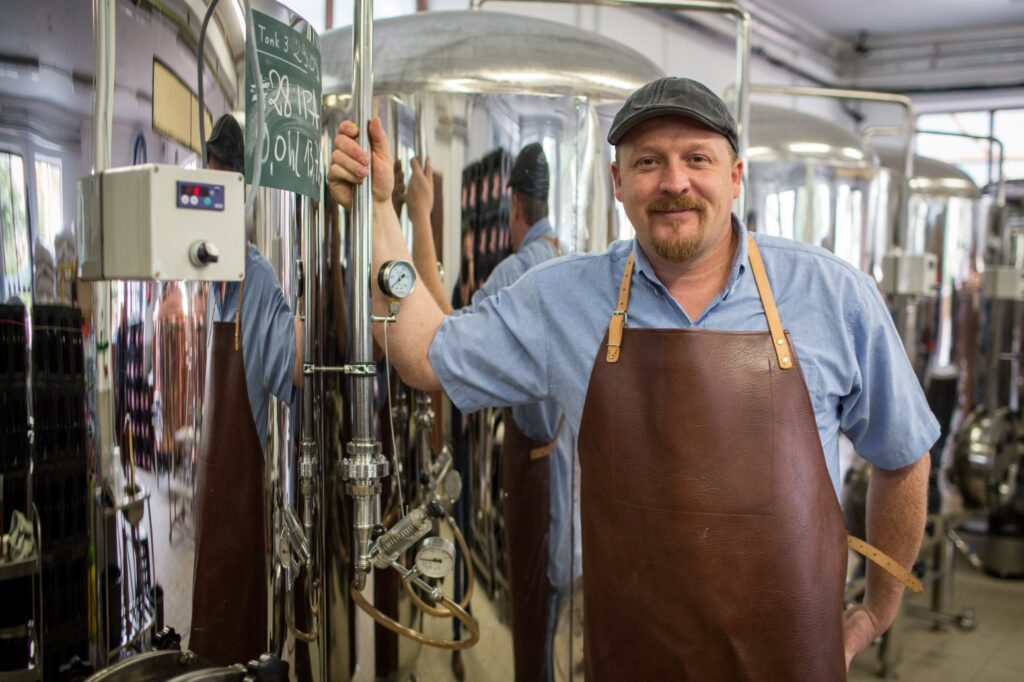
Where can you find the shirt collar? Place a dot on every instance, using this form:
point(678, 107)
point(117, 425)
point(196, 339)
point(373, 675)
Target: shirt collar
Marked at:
point(739, 263)
point(539, 229)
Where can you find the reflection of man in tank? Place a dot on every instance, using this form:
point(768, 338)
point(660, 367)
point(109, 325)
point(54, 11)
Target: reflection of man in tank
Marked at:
point(714, 545)
point(252, 353)
point(537, 455)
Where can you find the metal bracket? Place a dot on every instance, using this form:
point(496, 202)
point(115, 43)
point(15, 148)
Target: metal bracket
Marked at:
point(363, 369)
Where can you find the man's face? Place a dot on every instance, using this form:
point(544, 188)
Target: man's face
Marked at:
point(677, 180)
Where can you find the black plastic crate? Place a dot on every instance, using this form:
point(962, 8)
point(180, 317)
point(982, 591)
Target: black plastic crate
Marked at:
point(61, 495)
point(15, 496)
point(59, 420)
point(13, 349)
point(65, 588)
point(57, 346)
point(63, 644)
point(14, 445)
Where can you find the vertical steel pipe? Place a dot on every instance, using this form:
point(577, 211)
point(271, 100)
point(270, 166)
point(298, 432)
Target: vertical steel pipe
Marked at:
point(364, 469)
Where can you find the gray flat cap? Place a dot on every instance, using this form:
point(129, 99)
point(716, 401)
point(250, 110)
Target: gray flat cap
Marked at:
point(672, 96)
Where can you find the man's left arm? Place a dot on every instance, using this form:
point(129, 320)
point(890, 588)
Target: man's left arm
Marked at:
point(896, 512)
point(889, 422)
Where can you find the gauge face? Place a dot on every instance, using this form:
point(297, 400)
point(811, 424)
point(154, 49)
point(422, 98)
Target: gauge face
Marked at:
point(453, 485)
point(435, 558)
point(397, 278)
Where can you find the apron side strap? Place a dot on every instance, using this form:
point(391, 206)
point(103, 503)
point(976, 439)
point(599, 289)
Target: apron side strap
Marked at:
point(886, 562)
point(238, 312)
point(619, 317)
point(779, 340)
point(545, 450)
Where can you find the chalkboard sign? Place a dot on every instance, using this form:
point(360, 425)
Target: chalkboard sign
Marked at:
point(290, 72)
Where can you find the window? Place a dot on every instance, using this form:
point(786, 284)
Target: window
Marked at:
point(16, 277)
point(49, 200)
point(972, 156)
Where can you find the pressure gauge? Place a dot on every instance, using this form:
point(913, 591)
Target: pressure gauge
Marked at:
point(397, 278)
point(453, 484)
point(436, 557)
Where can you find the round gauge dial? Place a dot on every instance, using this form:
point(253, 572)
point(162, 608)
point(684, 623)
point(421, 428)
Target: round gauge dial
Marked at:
point(453, 484)
point(397, 278)
point(436, 557)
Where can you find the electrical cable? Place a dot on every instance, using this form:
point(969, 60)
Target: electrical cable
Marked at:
point(391, 424)
point(199, 82)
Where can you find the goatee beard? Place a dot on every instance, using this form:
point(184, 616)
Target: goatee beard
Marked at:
point(682, 249)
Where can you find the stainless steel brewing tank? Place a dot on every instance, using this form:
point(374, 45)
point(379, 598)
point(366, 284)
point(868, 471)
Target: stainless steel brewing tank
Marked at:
point(812, 181)
point(470, 89)
point(948, 217)
point(157, 330)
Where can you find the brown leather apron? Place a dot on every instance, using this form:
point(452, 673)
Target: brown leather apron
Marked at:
point(525, 481)
point(713, 543)
point(229, 595)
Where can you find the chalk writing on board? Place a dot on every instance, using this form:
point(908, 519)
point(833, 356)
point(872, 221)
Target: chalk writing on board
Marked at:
point(291, 91)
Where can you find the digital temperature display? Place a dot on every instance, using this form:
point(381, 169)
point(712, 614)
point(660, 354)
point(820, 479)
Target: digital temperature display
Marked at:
point(198, 196)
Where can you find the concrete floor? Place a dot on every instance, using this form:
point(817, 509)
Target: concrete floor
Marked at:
point(994, 652)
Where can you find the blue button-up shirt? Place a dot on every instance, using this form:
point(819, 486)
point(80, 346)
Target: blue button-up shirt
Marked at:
point(533, 250)
point(541, 420)
point(538, 339)
point(268, 335)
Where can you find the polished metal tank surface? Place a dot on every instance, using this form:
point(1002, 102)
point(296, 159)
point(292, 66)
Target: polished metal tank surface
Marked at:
point(948, 217)
point(153, 332)
point(813, 181)
point(469, 90)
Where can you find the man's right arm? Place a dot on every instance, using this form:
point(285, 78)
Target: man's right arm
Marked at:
point(409, 338)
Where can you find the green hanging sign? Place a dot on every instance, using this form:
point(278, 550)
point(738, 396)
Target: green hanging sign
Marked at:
point(290, 72)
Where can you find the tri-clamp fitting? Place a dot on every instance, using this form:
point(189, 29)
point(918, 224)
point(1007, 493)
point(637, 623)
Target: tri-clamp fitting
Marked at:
point(362, 474)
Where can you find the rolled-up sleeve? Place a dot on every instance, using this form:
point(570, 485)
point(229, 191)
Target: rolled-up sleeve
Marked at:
point(885, 415)
point(495, 354)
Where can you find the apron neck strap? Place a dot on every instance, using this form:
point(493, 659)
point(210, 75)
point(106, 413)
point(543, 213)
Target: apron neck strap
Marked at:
point(238, 310)
point(620, 316)
point(764, 289)
point(554, 242)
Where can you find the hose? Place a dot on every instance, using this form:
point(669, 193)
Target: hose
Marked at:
point(394, 626)
point(199, 81)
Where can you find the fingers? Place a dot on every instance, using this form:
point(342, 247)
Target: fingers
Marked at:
point(379, 139)
point(415, 163)
point(428, 170)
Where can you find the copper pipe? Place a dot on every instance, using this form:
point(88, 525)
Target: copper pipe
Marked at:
point(394, 626)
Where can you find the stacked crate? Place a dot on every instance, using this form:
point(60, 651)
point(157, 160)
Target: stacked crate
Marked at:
point(485, 210)
point(15, 592)
point(60, 481)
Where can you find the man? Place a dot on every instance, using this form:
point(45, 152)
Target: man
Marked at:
point(714, 546)
point(252, 353)
point(538, 450)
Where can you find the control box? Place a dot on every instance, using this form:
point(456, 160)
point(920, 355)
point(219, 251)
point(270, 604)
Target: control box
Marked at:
point(161, 222)
point(909, 274)
point(1003, 283)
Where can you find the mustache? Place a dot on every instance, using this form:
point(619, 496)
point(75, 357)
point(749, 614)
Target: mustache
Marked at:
point(680, 203)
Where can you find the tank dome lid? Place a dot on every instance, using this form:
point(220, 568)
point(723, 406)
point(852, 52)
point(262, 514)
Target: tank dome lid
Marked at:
point(932, 176)
point(487, 52)
point(778, 134)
